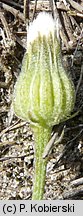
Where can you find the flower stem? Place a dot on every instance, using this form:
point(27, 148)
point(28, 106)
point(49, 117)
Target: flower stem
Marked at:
point(42, 136)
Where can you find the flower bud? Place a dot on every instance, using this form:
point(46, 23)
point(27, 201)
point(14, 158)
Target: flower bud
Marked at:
point(44, 93)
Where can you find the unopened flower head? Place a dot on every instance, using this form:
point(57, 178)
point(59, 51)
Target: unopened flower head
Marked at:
point(44, 93)
point(43, 25)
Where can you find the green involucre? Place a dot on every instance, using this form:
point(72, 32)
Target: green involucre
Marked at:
point(44, 93)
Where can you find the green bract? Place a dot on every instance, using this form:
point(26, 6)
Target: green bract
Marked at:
point(44, 93)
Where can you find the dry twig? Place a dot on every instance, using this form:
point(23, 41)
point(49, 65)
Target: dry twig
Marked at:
point(77, 182)
point(68, 26)
point(12, 10)
point(14, 157)
point(16, 125)
point(73, 193)
point(76, 6)
point(34, 10)
point(4, 22)
point(61, 29)
point(13, 3)
point(26, 10)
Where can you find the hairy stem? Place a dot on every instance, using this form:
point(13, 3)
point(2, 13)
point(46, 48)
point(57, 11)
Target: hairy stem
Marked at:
point(42, 136)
